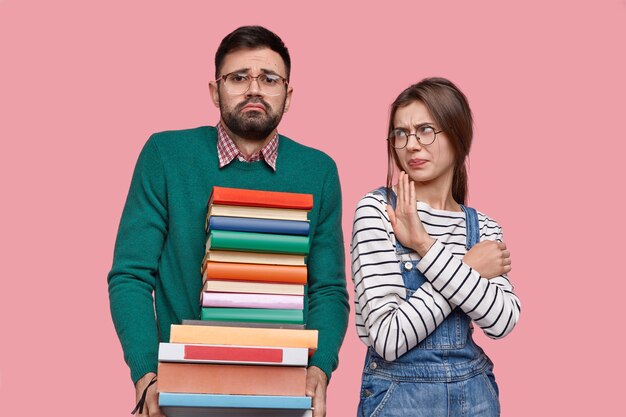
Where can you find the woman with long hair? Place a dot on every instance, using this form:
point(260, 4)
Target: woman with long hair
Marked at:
point(426, 268)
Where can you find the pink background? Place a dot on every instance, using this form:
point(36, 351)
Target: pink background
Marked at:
point(83, 84)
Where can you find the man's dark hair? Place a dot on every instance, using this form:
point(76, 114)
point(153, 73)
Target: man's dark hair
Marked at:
point(252, 37)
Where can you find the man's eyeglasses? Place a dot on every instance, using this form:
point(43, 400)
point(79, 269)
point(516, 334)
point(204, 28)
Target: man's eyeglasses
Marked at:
point(425, 135)
point(237, 83)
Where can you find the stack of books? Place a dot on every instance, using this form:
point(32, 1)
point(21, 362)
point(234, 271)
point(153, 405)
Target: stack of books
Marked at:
point(254, 269)
point(248, 355)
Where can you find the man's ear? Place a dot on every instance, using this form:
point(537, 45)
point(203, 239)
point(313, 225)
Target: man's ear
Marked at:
point(215, 96)
point(288, 99)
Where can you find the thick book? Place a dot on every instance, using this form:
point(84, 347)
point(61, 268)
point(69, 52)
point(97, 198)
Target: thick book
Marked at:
point(243, 336)
point(275, 402)
point(254, 258)
point(243, 324)
point(260, 198)
point(252, 287)
point(249, 355)
point(243, 300)
point(259, 315)
point(255, 272)
point(257, 212)
point(198, 411)
point(231, 379)
point(257, 242)
point(244, 224)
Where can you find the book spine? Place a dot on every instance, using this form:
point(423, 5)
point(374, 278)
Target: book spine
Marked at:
point(258, 315)
point(264, 301)
point(194, 353)
point(257, 212)
point(243, 224)
point(261, 198)
point(234, 401)
point(243, 324)
point(259, 242)
point(275, 259)
point(252, 287)
point(255, 272)
point(243, 336)
point(231, 379)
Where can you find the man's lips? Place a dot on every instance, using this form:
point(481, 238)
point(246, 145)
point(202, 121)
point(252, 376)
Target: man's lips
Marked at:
point(253, 107)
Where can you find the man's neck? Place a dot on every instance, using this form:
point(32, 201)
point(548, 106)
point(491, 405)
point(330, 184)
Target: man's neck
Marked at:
point(247, 147)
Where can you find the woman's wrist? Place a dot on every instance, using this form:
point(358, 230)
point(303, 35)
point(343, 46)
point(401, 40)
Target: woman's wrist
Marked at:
point(423, 244)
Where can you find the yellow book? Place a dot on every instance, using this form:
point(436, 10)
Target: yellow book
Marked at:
point(244, 336)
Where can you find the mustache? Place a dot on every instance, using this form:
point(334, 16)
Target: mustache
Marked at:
point(255, 100)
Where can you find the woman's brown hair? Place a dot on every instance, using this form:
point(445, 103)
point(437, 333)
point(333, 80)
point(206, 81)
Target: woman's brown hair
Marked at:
point(451, 113)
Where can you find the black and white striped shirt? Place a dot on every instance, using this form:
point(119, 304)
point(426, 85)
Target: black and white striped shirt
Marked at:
point(391, 325)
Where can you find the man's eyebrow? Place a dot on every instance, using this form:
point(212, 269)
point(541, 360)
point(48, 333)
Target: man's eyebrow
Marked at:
point(247, 70)
point(239, 70)
point(269, 71)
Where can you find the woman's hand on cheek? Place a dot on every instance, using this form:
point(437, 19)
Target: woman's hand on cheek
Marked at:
point(405, 222)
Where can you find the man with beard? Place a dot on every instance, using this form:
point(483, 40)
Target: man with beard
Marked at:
point(161, 238)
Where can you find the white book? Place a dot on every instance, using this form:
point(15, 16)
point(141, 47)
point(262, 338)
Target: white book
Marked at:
point(257, 212)
point(254, 258)
point(230, 354)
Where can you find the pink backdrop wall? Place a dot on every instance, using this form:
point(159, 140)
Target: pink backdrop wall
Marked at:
point(83, 84)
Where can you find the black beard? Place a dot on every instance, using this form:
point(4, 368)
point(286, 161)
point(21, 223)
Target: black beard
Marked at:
point(252, 125)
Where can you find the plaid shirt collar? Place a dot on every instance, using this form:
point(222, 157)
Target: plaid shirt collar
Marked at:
point(227, 150)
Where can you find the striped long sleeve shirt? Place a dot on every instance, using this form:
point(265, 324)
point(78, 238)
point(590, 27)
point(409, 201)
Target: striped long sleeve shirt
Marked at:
point(393, 326)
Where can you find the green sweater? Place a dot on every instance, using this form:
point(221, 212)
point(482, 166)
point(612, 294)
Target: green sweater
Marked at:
point(161, 240)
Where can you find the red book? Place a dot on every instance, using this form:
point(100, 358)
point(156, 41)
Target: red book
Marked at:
point(260, 198)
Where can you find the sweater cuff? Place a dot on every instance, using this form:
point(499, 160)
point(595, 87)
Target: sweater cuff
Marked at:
point(433, 260)
point(141, 364)
point(325, 362)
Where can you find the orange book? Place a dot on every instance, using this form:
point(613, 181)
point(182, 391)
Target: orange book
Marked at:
point(243, 336)
point(254, 272)
point(260, 198)
point(195, 378)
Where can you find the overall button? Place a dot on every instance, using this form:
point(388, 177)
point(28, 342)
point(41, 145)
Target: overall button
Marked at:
point(408, 266)
point(373, 365)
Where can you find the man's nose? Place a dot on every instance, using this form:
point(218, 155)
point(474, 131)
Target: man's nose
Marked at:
point(255, 88)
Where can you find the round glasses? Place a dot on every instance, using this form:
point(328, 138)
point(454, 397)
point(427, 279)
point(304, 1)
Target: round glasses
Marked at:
point(425, 135)
point(237, 83)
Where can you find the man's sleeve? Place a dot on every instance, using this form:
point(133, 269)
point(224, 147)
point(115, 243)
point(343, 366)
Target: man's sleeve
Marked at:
point(327, 295)
point(140, 238)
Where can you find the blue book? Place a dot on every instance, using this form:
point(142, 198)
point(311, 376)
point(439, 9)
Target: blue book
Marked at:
point(248, 224)
point(167, 399)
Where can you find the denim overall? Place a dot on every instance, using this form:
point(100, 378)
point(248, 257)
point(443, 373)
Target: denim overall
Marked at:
point(447, 374)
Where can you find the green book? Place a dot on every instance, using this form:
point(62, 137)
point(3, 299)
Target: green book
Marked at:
point(256, 315)
point(257, 242)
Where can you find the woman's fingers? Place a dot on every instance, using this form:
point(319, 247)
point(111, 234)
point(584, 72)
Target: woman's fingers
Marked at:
point(400, 193)
point(392, 216)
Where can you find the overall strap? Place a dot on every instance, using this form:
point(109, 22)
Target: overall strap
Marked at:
point(383, 192)
point(472, 227)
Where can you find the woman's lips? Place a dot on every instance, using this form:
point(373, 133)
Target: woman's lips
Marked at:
point(416, 163)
